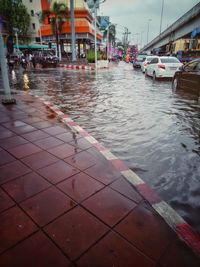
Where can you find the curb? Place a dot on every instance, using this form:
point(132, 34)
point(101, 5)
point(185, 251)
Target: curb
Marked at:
point(76, 67)
point(170, 216)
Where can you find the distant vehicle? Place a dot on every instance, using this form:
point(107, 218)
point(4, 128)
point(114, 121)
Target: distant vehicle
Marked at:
point(146, 62)
point(188, 77)
point(137, 62)
point(162, 67)
point(187, 56)
point(46, 58)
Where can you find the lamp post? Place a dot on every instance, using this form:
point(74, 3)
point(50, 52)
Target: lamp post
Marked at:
point(161, 16)
point(149, 20)
point(73, 36)
point(7, 99)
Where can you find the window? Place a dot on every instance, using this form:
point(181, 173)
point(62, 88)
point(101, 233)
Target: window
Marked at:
point(169, 60)
point(33, 26)
point(191, 66)
point(154, 61)
point(32, 13)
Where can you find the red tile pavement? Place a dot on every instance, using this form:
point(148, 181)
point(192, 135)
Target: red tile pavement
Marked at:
point(63, 204)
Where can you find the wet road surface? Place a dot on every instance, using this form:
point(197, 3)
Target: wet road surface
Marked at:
point(154, 130)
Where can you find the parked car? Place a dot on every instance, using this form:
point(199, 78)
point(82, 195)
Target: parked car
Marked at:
point(146, 62)
point(163, 67)
point(137, 62)
point(188, 77)
point(46, 58)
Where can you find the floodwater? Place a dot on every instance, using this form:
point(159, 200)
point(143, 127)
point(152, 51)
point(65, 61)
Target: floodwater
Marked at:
point(154, 130)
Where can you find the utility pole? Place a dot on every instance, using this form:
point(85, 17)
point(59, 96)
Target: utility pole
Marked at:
point(73, 37)
point(4, 72)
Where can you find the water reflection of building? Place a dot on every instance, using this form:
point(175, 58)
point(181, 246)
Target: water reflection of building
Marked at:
point(84, 27)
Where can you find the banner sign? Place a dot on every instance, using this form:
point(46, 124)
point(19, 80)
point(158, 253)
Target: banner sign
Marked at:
point(92, 3)
point(104, 22)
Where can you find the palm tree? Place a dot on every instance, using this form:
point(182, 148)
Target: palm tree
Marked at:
point(57, 15)
point(112, 34)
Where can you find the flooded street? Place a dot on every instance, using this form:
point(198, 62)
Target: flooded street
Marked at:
point(154, 130)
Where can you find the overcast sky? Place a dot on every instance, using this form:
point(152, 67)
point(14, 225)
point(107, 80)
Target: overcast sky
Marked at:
point(134, 14)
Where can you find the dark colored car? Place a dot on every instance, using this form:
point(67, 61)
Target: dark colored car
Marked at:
point(46, 58)
point(188, 77)
point(137, 62)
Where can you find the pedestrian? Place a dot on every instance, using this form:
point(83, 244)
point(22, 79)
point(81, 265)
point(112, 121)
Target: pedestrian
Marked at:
point(33, 61)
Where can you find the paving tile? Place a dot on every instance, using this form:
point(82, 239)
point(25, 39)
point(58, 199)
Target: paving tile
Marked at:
point(36, 135)
point(109, 206)
point(31, 119)
point(68, 136)
point(55, 130)
point(5, 157)
point(63, 151)
point(42, 124)
point(81, 143)
point(147, 231)
point(58, 171)
point(12, 124)
point(126, 189)
point(104, 172)
point(26, 186)
point(14, 226)
point(80, 186)
point(5, 201)
point(112, 251)
point(48, 142)
point(179, 255)
point(23, 129)
point(5, 133)
point(36, 251)
point(76, 231)
point(24, 150)
point(12, 170)
point(39, 160)
point(12, 142)
point(82, 160)
point(47, 205)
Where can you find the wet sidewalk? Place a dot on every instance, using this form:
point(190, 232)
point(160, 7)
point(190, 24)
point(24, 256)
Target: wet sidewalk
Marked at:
point(63, 204)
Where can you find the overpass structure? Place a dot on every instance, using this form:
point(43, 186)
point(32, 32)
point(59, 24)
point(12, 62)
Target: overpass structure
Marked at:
point(184, 27)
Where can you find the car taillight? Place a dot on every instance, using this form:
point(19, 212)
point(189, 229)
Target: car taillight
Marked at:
point(162, 66)
point(145, 64)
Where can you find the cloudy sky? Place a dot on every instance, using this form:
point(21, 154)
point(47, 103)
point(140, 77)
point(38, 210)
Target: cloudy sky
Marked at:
point(134, 14)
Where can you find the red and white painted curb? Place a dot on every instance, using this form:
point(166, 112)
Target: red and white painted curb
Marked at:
point(171, 217)
point(76, 67)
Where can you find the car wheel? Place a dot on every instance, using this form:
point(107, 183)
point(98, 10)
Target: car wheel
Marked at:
point(154, 76)
point(175, 84)
point(145, 73)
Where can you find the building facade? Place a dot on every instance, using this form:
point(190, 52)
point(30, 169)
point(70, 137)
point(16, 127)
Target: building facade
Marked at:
point(84, 24)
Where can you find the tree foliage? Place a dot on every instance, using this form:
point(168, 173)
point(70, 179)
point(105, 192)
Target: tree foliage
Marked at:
point(16, 14)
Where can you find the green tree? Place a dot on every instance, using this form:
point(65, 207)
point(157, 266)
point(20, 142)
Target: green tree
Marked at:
point(16, 14)
point(112, 34)
point(57, 15)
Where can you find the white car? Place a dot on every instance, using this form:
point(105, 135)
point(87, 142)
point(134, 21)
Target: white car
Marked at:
point(163, 67)
point(146, 62)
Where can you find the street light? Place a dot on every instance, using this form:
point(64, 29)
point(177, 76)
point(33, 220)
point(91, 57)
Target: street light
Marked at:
point(4, 71)
point(149, 20)
point(161, 16)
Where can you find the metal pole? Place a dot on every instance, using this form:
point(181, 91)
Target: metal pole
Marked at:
point(40, 36)
point(148, 30)
point(161, 16)
point(108, 42)
point(95, 36)
point(73, 37)
point(17, 43)
point(4, 72)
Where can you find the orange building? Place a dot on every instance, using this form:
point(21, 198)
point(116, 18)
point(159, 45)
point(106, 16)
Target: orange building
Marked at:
point(84, 28)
